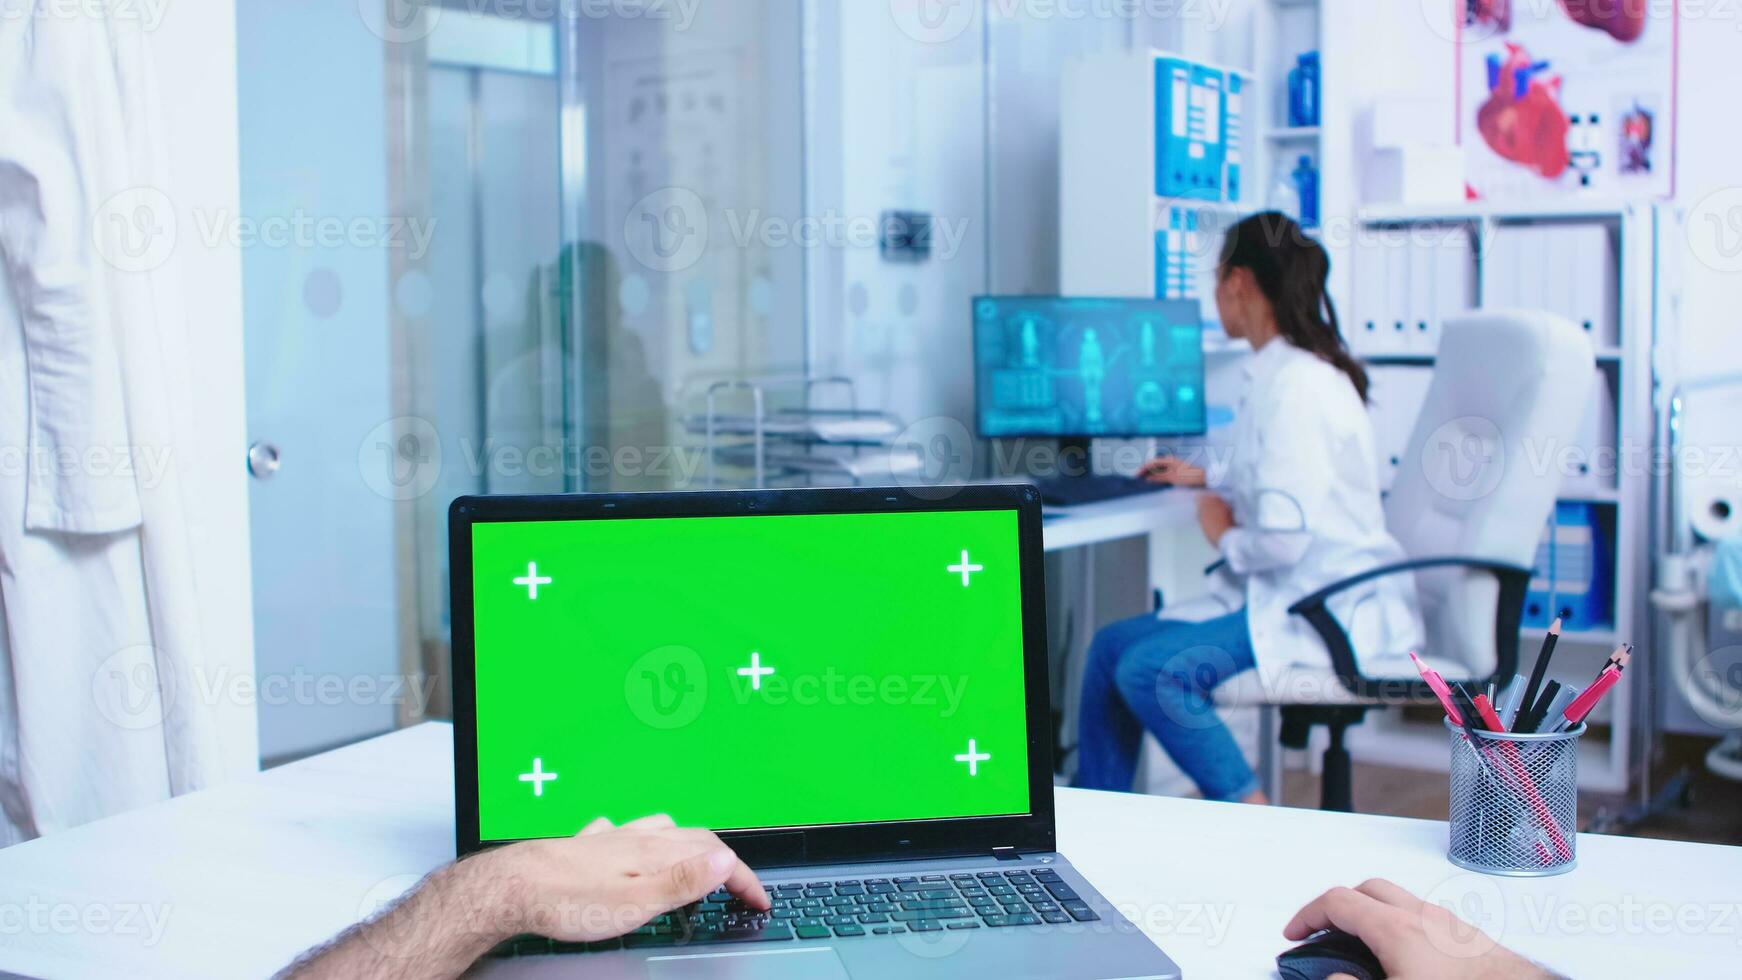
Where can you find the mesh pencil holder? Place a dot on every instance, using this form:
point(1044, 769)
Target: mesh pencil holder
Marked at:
point(1515, 802)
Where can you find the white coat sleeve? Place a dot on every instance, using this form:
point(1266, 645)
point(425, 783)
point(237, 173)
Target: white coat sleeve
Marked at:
point(1296, 446)
point(77, 461)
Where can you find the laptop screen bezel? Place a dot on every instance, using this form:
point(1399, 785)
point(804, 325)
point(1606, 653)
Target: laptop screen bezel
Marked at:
point(1033, 831)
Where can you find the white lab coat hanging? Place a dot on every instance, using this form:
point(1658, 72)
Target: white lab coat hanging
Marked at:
point(109, 703)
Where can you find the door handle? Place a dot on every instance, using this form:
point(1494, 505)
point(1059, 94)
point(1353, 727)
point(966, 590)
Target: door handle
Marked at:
point(263, 460)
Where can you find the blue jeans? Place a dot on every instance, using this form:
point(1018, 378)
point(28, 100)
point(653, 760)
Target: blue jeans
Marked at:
point(1147, 673)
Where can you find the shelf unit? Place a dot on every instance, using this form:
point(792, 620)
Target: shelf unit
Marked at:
point(1111, 218)
point(1622, 496)
point(1282, 30)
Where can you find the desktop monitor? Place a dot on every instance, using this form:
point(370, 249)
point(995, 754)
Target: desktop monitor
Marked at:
point(1077, 368)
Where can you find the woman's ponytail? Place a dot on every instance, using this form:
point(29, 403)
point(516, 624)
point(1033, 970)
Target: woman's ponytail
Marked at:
point(1291, 270)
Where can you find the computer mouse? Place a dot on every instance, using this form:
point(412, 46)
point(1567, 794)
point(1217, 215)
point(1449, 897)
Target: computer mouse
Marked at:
point(1327, 953)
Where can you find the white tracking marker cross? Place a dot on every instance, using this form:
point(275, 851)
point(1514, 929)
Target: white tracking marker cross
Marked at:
point(965, 569)
point(973, 757)
point(537, 777)
point(755, 671)
point(532, 580)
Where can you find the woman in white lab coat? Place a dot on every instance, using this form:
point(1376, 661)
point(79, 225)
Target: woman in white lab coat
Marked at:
point(1299, 509)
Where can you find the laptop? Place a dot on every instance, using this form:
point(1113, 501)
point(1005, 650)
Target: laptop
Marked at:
point(848, 685)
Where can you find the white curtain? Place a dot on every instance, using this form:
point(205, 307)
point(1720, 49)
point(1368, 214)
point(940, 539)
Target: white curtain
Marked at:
point(112, 695)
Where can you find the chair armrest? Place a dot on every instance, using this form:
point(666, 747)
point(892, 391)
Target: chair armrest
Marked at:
point(1509, 615)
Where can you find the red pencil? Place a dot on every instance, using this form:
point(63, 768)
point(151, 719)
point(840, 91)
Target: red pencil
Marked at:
point(1585, 702)
point(1485, 711)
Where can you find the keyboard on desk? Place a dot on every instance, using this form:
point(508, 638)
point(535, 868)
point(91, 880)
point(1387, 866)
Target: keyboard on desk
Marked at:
point(1070, 491)
point(851, 909)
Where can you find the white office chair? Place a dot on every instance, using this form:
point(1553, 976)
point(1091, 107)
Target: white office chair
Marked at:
point(1469, 504)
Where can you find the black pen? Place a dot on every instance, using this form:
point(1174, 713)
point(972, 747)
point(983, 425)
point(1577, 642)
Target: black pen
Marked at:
point(1467, 708)
point(1469, 719)
point(1540, 671)
point(1529, 724)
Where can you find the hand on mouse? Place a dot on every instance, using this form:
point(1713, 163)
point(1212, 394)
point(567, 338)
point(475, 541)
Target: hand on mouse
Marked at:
point(1413, 939)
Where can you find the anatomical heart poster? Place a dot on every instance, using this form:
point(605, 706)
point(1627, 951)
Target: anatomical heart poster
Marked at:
point(1570, 98)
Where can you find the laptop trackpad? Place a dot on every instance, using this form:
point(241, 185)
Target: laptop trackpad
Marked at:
point(793, 964)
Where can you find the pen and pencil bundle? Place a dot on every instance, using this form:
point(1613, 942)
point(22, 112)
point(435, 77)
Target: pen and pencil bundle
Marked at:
point(1514, 772)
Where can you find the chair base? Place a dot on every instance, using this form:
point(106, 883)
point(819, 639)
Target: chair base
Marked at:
point(1298, 720)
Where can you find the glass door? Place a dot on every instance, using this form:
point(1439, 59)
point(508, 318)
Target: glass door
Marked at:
point(505, 252)
point(683, 208)
point(481, 313)
point(316, 230)
point(601, 189)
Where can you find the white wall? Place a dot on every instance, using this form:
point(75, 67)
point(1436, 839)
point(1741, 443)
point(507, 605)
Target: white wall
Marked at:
point(195, 47)
point(1708, 174)
point(1707, 258)
point(1373, 50)
point(897, 123)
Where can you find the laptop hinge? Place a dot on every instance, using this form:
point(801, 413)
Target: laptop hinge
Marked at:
point(1005, 853)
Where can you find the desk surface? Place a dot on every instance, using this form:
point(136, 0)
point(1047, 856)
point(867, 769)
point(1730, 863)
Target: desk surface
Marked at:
point(235, 881)
point(1124, 517)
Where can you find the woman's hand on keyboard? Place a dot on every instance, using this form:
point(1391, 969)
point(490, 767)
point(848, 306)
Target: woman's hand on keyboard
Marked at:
point(1172, 470)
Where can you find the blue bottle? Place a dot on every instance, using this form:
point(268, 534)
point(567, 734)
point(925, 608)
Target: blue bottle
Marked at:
point(1306, 184)
point(1303, 90)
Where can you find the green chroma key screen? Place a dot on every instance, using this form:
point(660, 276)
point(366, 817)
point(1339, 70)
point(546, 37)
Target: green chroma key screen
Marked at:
point(748, 672)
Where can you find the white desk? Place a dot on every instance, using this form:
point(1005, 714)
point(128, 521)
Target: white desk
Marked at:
point(245, 876)
point(1147, 515)
point(1126, 517)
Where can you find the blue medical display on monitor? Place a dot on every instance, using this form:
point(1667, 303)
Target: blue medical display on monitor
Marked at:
point(1075, 368)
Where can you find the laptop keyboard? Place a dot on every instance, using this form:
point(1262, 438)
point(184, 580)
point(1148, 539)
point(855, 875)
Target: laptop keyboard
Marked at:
point(849, 909)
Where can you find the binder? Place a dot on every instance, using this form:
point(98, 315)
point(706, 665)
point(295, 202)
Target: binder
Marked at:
point(1173, 98)
point(1423, 253)
point(1234, 136)
point(1539, 269)
point(1207, 111)
point(1573, 578)
point(1188, 130)
point(1597, 299)
point(1394, 327)
point(1454, 282)
point(1179, 245)
point(1500, 273)
point(1368, 292)
point(1596, 466)
point(1527, 267)
point(1394, 402)
point(1562, 271)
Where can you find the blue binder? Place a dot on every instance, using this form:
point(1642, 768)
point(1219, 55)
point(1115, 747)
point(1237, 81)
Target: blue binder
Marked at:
point(1574, 573)
point(1189, 102)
